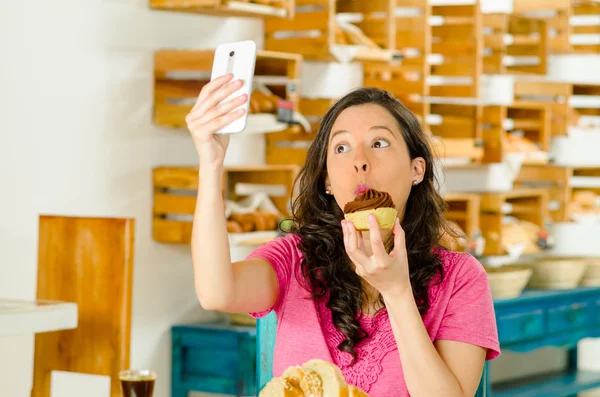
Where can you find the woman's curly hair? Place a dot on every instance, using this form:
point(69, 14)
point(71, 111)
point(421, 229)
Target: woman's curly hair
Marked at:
point(317, 217)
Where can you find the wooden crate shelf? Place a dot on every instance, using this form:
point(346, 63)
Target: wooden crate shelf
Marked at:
point(456, 61)
point(573, 24)
point(568, 102)
point(530, 119)
point(562, 184)
point(514, 44)
point(336, 30)
point(175, 194)
point(229, 8)
point(530, 205)
point(556, 13)
point(291, 146)
point(463, 209)
point(179, 75)
point(460, 130)
point(480, 133)
point(407, 81)
point(588, 12)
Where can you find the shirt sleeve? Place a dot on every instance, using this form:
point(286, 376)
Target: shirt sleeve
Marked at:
point(283, 255)
point(470, 315)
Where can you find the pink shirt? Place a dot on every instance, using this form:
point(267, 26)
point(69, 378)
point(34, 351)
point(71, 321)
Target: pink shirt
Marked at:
point(461, 310)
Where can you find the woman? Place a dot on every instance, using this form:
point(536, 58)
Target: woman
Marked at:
point(398, 313)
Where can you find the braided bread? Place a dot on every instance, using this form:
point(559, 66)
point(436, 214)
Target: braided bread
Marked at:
point(315, 378)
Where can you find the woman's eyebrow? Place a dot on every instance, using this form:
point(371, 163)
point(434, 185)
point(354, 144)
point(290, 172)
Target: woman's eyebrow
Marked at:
point(383, 127)
point(333, 134)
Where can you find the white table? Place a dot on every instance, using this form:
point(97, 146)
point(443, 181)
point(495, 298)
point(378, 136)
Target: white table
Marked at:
point(24, 317)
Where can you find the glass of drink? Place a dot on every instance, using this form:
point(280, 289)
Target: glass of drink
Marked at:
point(137, 382)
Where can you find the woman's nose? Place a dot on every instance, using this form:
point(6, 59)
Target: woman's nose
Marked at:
point(361, 164)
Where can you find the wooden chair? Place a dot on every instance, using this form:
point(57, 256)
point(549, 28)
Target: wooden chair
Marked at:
point(88, 261)
point(266, 328)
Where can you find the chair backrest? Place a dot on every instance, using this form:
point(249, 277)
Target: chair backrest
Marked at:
point(266, 329)
point(88, 261)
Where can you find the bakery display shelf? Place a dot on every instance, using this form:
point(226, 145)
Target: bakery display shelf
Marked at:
point(574, 192)
point(574, 26)
point(511, 221)
point(514, 44)
point(175, 195)
point(18, 317)
point(341, 31)
point(463, 210)
point(488, 133)
point(456, 60)
point(556, 13)
point(569, 102)
point(179, 75)
point(279, 9)
point(291, 146)
point(407, 80)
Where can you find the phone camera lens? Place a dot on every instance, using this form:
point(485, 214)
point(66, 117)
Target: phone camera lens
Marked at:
point(231, 53)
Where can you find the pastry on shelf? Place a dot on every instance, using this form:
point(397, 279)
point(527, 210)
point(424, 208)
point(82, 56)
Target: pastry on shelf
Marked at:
point(520, 232)
point(370, 201)
point(315, 378)
point(255, 221)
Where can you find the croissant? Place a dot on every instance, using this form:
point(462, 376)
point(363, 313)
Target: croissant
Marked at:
point(315, 378)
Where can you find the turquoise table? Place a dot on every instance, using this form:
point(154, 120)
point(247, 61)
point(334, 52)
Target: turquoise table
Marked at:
point(235, 361)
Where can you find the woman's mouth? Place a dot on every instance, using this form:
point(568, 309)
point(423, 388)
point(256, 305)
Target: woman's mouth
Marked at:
point(361, 188)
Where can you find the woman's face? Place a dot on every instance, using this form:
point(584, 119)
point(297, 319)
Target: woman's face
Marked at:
point(366, 147)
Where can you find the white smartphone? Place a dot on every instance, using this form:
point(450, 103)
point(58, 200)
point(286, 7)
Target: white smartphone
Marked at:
point(239, 59)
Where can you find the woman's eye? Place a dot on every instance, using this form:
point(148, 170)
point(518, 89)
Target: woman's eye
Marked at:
point(341, 148)
point(379, 143)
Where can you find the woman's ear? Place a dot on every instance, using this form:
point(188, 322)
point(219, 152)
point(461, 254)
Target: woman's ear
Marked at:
point(327, 185)
point(419, 166)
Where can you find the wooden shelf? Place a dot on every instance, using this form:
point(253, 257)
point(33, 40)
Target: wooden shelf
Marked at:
point(463, 209)
point(176, 189)
point(407, 81)
point(229, 8)
point(562, 183)
point(317, 32)
point(569, 31)
point(291, 146)
point(567, 101)
point(457, 51)
point(179, 75)
point(556, 13)
point(583, 8)
point(18, 317)
point(556, 384)
point(514, 44)
point(530, 205)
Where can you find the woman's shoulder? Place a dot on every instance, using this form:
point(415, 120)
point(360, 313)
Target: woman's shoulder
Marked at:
point(454, 262)
point(459, 269)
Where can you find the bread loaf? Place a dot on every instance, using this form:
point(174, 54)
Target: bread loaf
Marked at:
point(315, 378)
point(280, 387)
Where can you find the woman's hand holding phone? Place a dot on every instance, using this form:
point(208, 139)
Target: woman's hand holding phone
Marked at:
point(209, 115)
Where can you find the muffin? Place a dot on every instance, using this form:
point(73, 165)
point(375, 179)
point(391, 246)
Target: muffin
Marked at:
point(372, 201)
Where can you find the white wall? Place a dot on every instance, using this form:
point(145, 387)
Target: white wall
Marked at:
point(75, 118)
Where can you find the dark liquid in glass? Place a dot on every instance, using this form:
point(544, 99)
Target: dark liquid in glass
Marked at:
point(139, 387)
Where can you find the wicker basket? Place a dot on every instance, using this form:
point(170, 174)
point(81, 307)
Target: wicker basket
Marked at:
point(557, 272)
point(591, 277)
point(508, 281)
